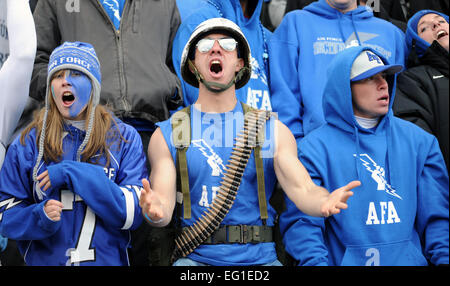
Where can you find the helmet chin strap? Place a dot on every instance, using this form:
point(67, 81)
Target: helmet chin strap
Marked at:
point(214, 86)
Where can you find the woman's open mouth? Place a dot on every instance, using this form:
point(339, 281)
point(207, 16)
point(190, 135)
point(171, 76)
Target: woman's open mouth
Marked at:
point(441, 34)
point(68, 98)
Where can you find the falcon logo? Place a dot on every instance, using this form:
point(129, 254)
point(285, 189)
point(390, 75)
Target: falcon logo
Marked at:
point(9, 203)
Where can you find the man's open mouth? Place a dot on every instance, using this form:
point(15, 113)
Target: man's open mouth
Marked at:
point(215, 66)
point(384, 98)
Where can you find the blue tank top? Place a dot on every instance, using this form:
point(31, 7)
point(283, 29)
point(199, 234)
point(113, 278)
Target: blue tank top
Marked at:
point(212, 140)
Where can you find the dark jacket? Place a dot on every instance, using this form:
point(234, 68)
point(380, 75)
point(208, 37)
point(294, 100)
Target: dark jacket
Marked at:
point(422, 95)
point(137, 74)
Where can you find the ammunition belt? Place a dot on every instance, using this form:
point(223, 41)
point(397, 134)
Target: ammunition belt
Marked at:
point(191, 237)
point(242, 234)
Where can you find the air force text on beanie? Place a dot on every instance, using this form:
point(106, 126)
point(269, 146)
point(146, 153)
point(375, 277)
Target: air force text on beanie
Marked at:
point(75, 55)
point(70, 60)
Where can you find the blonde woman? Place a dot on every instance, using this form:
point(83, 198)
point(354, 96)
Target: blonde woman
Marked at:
point(70, 184)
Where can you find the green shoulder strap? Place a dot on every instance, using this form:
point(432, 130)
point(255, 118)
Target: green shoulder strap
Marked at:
point(259, 169)
point(181, 136)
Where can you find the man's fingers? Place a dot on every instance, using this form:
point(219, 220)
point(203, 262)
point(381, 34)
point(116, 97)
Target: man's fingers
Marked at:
point(341, 206)
point(155, 214)
point(352, 185)
point(146, 185)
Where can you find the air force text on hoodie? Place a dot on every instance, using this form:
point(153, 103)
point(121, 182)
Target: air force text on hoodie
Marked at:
point(399, 215)
point(100, 204)
point(302, 47)
point(256, 92)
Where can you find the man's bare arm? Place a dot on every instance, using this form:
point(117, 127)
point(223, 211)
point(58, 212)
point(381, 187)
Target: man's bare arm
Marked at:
point(298, 185)
point(158, 197)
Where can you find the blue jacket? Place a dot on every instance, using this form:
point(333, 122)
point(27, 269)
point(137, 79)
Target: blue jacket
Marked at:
point(100, 204)
point(399, 214)
point(302, 47)
point(256, 92)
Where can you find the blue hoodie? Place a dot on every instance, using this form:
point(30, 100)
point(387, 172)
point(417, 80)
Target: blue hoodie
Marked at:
point(256, 92)
point(303, 46)
point(399, 214)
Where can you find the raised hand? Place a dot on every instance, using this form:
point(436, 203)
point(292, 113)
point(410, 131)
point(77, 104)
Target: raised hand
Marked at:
point(337, 199)
point(150, 203)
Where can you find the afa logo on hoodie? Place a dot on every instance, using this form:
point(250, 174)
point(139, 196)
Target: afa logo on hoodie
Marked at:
point(387, 213)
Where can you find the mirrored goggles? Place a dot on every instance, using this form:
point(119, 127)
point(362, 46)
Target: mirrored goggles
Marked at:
point(205, 45)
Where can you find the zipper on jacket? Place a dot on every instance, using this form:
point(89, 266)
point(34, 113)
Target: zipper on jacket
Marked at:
point(123, 89)
point(125, 105)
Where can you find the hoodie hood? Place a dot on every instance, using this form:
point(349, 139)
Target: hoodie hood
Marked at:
point(234, 6)
point(413, 41)
point(337, 96)
point(324, 9)
point(338, 108)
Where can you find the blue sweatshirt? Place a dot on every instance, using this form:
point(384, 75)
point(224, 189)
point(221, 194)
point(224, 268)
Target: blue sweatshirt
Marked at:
point(399, 214)
point(302, 47)
point(100, 203)
point(256, 92)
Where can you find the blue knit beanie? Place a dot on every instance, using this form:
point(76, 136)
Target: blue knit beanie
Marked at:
point(77, 56)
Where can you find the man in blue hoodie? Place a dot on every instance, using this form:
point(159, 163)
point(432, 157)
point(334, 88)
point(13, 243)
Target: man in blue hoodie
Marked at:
point(246, 14)
point(305, 43)
point(399, 215)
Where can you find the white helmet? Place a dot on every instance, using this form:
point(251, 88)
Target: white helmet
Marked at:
point(220, 26)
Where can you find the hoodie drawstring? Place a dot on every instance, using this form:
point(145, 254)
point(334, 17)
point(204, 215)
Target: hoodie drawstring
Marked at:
point(353, 25)
point(357, 155)
point(356, 32)
point(390, 166)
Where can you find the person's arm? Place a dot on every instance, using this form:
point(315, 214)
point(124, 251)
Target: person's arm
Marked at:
point(15, 75)
point(413, 102)
point(297, 183)
point(21, 217)
point(158, 200)
point(116, 202)
point(432, 223)
point(284, 76)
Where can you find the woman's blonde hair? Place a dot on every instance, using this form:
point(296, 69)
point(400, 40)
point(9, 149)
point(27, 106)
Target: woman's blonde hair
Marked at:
point(101, 133)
